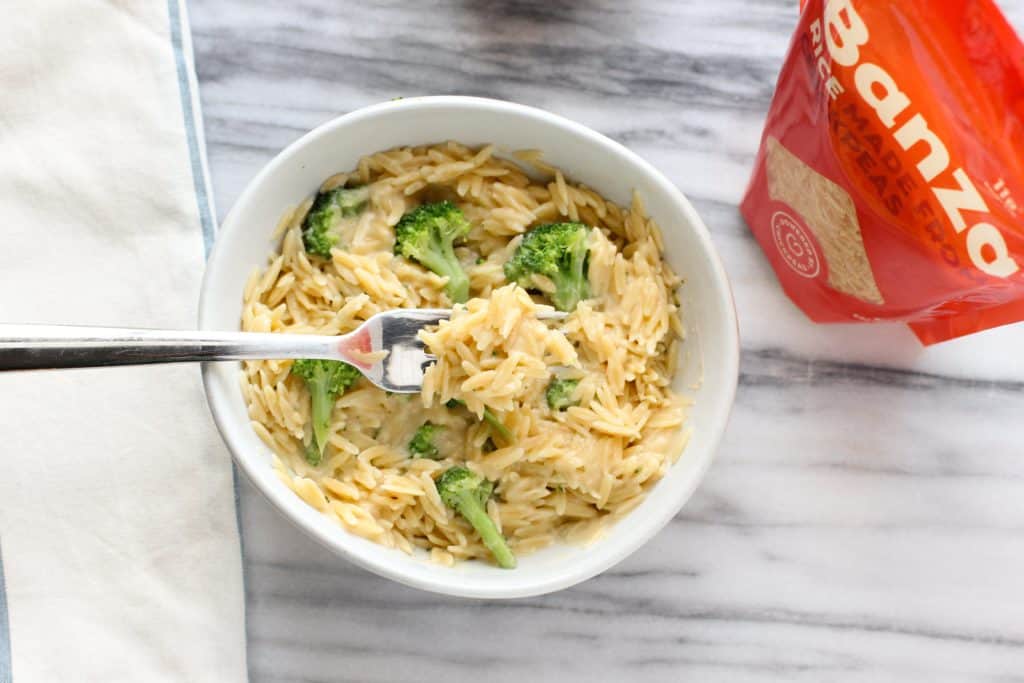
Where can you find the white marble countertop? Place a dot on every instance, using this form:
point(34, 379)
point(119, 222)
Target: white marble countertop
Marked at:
point(865, 518)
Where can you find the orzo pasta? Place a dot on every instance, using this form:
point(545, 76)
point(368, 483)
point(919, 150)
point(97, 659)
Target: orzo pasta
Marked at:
point(560, 471)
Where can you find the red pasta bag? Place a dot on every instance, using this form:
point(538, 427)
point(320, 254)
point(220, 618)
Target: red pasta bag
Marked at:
point(892, 163)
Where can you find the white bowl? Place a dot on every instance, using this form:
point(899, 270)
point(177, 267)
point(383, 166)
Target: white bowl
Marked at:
point(710, 353)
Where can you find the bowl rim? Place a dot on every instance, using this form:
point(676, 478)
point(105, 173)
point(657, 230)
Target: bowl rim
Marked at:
point(396, 571)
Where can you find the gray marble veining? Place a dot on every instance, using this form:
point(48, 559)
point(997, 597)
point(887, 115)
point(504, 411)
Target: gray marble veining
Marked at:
point(865, 518)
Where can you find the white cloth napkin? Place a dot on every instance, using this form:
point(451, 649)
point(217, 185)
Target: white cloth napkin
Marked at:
point(118, 528)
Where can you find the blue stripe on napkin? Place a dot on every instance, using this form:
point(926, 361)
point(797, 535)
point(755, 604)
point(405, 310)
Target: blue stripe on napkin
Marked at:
point(5, 630)
point(188, 109)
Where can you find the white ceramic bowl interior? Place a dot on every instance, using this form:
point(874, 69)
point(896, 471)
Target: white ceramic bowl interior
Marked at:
point(710, 353)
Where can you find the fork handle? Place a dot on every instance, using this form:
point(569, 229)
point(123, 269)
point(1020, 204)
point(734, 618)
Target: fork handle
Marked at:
point(38, 347)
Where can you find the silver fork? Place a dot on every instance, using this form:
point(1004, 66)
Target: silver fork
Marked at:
point(39, 347)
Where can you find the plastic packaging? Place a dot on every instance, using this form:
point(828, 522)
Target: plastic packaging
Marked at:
point(890, 180)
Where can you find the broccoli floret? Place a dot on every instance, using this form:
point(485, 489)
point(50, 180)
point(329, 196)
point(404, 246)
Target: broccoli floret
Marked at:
point(326, 381)
point(320, 227)
point(426, 235)
point(559, 393)
point(467, 492)
point(422, 443)
point(558, 251)
point(491, 419)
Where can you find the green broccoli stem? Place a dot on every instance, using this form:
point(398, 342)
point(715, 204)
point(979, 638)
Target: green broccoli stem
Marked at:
point(458, 286)
point(499, 428)
point(571, 288)
point(322, 407)
point(470, 507)
point(569, 291)
point(491, 419)
point(445, 263)
point(313, 455)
